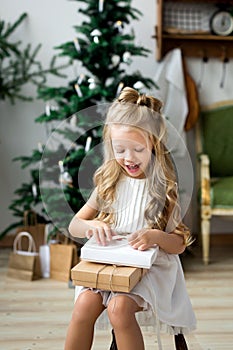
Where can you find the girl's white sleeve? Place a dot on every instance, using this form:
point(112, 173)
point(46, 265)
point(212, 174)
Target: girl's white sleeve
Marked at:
point(92, 200)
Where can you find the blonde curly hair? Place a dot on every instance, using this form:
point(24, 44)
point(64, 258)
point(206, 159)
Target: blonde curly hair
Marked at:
point(143, 113)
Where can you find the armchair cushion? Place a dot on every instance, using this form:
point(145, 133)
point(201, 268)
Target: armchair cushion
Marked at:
point(222, 193)
point(217, 139)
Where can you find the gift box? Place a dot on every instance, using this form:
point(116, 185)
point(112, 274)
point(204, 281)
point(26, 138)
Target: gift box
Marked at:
point(106, 277)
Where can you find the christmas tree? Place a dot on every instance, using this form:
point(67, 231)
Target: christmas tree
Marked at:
point(62, 170)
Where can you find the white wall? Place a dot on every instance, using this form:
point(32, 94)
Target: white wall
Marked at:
point(51, 23)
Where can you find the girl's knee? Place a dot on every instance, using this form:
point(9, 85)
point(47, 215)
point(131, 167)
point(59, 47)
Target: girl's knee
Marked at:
point(121, 311)
point(87, 308)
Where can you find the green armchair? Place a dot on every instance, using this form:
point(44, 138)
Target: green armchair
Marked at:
point(215, 148)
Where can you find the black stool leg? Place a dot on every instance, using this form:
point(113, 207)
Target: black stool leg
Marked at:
point(113, 345)
point(180, 342)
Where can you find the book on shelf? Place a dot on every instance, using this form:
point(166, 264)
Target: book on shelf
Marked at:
point(118, 252)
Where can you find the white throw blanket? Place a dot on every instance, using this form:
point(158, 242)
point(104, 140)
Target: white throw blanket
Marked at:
point(170, 80)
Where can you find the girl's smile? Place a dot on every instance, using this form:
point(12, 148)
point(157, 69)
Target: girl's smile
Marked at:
point(132, 149)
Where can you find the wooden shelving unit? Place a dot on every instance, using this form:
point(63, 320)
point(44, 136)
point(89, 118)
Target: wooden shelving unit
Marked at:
point(192, 45)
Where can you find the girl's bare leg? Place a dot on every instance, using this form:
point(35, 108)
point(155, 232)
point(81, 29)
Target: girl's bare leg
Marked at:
point(121, 313)
point(80, 332)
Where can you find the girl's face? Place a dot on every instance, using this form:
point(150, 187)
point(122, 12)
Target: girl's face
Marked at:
point(132, 149)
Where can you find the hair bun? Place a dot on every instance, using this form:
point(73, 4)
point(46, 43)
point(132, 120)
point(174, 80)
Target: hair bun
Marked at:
point(131, 95)
point(128, 95)
point(142, 100)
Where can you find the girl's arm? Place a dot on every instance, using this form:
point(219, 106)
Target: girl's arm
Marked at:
point(84, 223)
point(171, 243)
point(81, 222)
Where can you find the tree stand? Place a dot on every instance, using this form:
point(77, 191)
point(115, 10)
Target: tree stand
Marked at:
point(180, 342)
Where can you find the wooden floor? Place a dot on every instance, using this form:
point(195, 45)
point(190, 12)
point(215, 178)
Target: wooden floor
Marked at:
point(35, 315)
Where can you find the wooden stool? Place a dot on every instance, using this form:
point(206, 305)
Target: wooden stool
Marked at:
point(180, 342)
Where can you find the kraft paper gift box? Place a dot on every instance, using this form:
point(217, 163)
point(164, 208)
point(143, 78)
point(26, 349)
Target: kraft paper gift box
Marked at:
point(106, 277)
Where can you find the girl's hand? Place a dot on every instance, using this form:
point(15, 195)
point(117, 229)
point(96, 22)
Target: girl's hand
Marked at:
point(101, 232)
point(142, 239)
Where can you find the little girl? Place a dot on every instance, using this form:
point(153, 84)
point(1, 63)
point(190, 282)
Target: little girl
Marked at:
point(135, 193)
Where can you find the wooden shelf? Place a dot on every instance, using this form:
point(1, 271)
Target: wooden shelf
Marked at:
point(192, 45)
point(197, 37)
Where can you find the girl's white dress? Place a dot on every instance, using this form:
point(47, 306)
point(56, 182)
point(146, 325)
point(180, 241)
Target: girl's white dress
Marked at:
point(162, 291)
